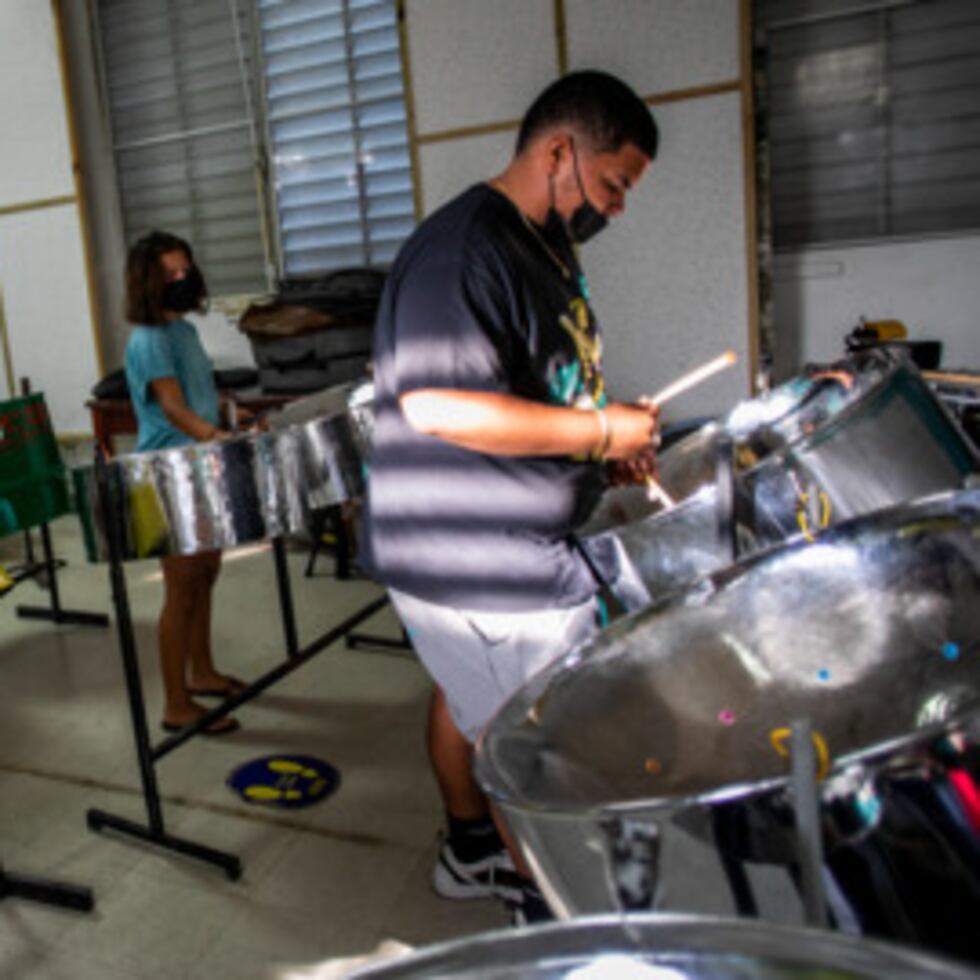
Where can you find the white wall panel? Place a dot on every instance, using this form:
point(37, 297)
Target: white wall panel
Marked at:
point(932, 286)
point(669, 278)
point(45, 294)
point(42, 257)
point(656, 45)
point(451, 166)
point(475, 62)
point(36, 151)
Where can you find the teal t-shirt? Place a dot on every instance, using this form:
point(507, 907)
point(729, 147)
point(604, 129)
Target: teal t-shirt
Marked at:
point(171, 351)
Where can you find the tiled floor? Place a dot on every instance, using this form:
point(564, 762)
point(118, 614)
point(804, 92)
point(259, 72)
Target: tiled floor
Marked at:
point(330, 880)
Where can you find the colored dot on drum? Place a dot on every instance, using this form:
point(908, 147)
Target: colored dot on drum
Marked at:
point(823, 674)
point(951, 651)
point(726, 717)
point(652, 766)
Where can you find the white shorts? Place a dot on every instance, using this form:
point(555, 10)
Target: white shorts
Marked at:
point(480, 659)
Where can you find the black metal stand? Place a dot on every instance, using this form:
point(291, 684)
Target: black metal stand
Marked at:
point(57, 893)
point(153, 832)
point(333, 517)
point(53, 613)
point(727, 845)
point(371, 642)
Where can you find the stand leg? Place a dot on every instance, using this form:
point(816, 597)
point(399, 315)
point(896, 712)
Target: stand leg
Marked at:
point(55, 613)
point(380, 644)
point(97, 819)
point(46, 891)
point(316, 533)
point(332, 516)
point(285, 597)
point(738, 880)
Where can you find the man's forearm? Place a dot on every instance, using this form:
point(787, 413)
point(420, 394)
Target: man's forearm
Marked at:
point(506, 425)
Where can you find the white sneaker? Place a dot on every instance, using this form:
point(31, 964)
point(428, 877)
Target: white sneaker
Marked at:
point(492, 876)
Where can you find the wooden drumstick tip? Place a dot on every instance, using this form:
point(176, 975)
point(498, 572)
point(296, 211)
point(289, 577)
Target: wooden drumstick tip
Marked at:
point(657, 494)
point(689, 380)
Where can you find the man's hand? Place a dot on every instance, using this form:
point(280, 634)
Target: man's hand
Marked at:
point(633, 430)
point(633, 471)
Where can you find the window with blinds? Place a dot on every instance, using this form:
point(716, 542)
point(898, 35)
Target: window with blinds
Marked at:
point(203, 92)
point(177, 79)
point(872, 117)
point(337, 131)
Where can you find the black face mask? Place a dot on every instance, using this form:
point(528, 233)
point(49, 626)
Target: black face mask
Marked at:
point(183, 295)
point(586, 220)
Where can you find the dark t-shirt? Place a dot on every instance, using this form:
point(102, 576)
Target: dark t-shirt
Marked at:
point(476, 301)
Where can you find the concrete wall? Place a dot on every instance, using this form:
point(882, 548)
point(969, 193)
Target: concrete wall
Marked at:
point(932, 286)
point(47, 309)
point(670, 278)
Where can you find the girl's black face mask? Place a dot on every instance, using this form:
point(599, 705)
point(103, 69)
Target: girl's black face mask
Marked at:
point(183, 295)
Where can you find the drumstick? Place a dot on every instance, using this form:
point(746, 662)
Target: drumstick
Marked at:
point(655, 492)
point(692, 378)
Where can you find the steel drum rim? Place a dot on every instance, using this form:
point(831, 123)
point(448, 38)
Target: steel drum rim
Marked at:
point(693, 934)
point(888, 364)
point(222, 494)
point(743, 790)
point(730, 792)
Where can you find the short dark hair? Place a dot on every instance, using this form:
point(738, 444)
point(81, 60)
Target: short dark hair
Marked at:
point(606, 111)
point(144, 277)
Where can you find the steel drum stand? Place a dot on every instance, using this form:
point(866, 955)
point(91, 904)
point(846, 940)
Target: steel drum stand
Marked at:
point(342, 570)
point(46, 891)
point(55, 613)
point(154, 832)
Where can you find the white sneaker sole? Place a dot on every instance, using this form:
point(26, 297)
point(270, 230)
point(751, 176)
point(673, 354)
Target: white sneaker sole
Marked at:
point(451, 880)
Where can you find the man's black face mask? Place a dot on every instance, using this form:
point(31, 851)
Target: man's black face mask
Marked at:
point(183, 295)
point(585, 222)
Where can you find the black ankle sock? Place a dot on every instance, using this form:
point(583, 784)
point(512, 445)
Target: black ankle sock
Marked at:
point(472, 840)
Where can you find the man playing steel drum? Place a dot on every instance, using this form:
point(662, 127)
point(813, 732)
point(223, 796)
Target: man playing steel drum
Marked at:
point(494, 438)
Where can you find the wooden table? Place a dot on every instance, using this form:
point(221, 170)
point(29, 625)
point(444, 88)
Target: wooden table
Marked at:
point(113, 417)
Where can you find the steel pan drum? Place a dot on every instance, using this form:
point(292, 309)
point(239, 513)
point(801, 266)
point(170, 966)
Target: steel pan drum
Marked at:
point(677, 716)
point(647, 947)
point(217, 495)
point(803, 457)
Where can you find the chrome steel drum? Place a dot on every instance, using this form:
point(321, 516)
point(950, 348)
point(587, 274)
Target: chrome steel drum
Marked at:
point(355, 399)
point(647, 947)
point(849, 442)
point(803, 457)
point(217, 495)
point(679, 715)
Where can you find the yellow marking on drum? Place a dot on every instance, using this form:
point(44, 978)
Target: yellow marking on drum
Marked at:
point(804, 521)
point(779, 738)
point(745, 457)
point(652, 766)
point(931, 524)
point(534, 712)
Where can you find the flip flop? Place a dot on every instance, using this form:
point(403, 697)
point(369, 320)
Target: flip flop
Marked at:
point(222, 726)
point(235, 686)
